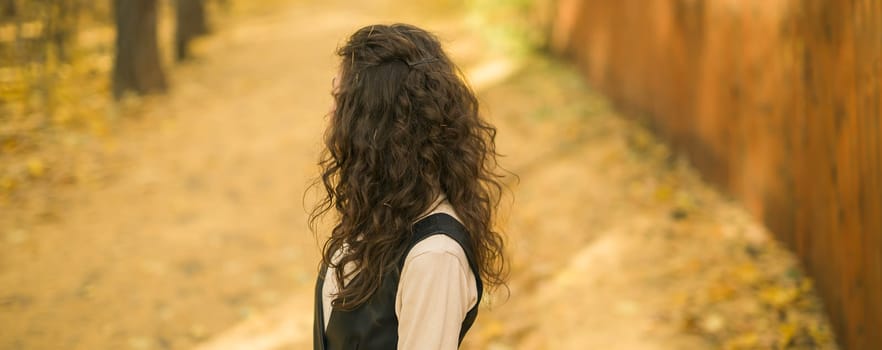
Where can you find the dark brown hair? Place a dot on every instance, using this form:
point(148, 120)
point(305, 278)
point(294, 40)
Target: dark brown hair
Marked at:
point(405, 129)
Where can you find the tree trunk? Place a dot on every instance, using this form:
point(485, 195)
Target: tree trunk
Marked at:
point(136, 66)
point(62, 27)
point(190, 23)
point(8, 9)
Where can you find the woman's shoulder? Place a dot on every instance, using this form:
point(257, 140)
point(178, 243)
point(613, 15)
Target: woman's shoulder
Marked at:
point(439, 246)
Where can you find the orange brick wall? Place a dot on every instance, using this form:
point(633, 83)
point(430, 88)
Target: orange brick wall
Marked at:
point(777, 102)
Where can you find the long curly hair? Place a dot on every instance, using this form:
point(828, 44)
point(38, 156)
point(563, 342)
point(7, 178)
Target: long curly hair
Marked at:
point(405, 129)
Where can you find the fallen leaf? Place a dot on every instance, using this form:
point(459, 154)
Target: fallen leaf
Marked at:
point(747, 274)
point(36, 167)
point(664, 193)
point(785, 334)
point(713, 323)
point(720, 291)
point(7, 184)
point(744, 341)
point(778, 296)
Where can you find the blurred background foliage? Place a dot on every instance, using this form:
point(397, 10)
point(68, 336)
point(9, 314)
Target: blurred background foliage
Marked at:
point(56, 65)
point(56, 58)
point(516, 26)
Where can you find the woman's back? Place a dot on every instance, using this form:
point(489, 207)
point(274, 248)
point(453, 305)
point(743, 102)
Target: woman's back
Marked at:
point(404, 134)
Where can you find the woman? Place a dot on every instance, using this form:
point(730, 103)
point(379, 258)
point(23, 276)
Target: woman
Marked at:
point(409, 172)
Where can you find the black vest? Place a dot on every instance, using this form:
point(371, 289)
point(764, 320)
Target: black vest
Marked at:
point(373, 325)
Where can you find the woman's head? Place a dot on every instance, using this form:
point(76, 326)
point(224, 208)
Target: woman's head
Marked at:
point(405, 129)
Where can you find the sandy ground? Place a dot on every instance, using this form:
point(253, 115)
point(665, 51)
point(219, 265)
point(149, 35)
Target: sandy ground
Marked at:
point(195, 235)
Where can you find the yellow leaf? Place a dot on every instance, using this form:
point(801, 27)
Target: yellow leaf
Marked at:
point(36, 168)
point(7, 184)
point(786, 332)
point(713, 323)
point(747, 274)
point(685, 201)
point(9, 146)
point(819, 335)
point(806, 285)
point(98, 127)
point(664, 193)
point(778, 296)
point(720, 291)
point(743, 341)
point(61, 118)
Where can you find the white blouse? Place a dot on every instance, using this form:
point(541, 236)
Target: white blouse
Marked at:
point(435, 291)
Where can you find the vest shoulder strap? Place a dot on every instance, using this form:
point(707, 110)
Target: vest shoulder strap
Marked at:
point(441, 223)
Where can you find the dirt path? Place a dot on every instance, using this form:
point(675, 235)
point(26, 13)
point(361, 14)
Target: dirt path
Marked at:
point(199, 238)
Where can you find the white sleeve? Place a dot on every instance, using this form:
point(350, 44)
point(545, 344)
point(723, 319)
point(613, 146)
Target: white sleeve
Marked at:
point(436, 290)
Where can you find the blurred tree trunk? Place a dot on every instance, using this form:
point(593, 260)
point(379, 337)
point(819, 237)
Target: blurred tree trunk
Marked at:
point(191, 23)
point(136, 65)
point(63, 27)
point(8, 9)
